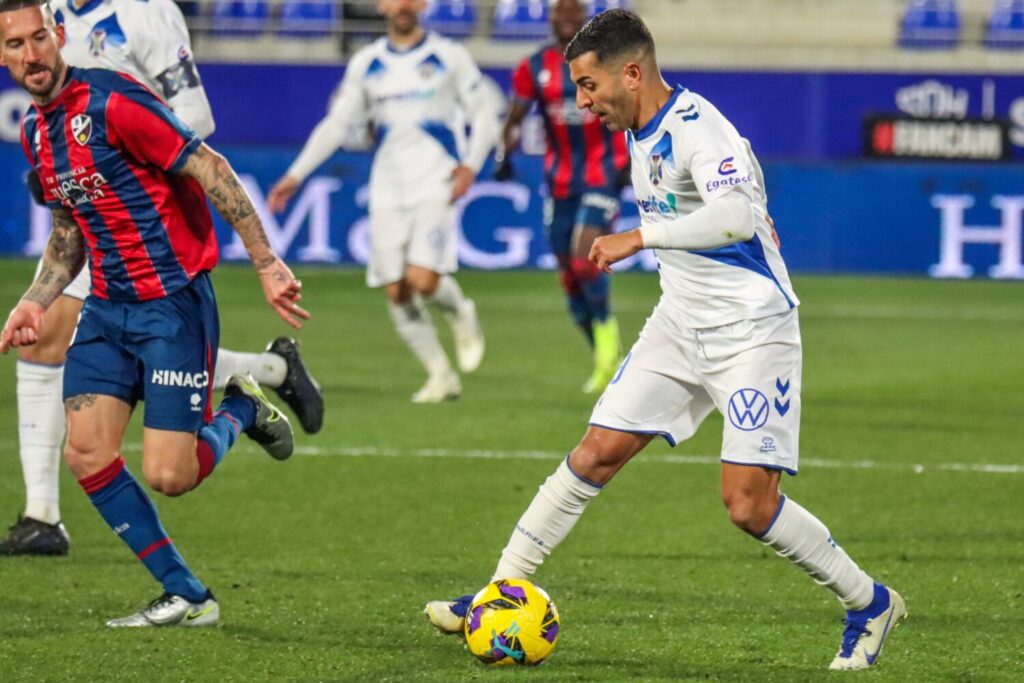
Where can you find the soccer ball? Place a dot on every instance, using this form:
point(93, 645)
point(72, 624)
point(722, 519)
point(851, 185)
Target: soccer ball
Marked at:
point(511, 622)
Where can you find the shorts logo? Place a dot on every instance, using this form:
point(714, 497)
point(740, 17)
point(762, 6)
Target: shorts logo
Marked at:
point(81, 129)
point(748, 409)
point(177, 378)
point(196, 400)
point(727, 167)
point(767, 445)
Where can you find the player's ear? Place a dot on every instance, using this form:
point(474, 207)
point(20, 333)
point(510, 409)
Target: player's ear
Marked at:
point(61, 36)
point(632, 76)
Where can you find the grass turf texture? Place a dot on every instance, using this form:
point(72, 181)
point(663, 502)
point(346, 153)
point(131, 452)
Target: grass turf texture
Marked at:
point(322, 563)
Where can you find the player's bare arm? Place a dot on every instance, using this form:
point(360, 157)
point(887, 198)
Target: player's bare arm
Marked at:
point(609, 249)
point(225, 192)
point(62, 261)
point(511, 134)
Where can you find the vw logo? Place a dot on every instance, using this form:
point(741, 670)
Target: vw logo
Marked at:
point(748, 409)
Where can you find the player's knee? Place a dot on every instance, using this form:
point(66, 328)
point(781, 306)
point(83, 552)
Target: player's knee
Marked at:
point(84, 457)
point(749, 511)
point(594, 463)
point(398, 292)
point(44, 352)
point(168, 480)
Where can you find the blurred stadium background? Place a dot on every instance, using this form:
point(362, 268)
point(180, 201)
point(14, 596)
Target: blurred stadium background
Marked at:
point(892, 137)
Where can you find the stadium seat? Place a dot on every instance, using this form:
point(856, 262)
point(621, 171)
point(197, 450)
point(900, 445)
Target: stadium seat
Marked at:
point(239, 17)
point(521, 20)
point(455, 18)
point(930, 24)
point(598, 6)
point(1006, 26)
point(308, 18)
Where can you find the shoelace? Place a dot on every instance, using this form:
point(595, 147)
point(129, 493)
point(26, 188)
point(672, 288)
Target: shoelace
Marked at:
point(165, 598)
point(855, 628)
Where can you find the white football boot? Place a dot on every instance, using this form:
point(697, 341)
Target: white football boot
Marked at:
point(172, 610)
point(439, 387)
point(867, 629)
point(448, 616)
point(469, 337)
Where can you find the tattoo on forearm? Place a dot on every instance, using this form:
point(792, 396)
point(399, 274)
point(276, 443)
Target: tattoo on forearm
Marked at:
point(62, 261)
point(76, 403)
point(232, 202)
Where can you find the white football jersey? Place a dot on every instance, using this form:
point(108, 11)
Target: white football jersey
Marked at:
point(146, 39)
point(685, 157)
point(419, 101)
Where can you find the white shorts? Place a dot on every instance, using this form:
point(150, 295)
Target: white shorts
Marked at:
point(675, 376)
point(79, 287)
point(423, 236)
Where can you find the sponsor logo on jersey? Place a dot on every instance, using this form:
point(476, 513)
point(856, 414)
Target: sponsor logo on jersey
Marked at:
point(81, 129)
point(748, 409)
point(78, 186)
point(654, 205)
point(731, 181)
point(97, 42)
point(177, 378)
point(727, 167)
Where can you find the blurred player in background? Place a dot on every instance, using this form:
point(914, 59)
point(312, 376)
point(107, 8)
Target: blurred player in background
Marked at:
point(419, 91)
point(724, 335)
point(149, 41)
point(127, 183)
point(585, 165)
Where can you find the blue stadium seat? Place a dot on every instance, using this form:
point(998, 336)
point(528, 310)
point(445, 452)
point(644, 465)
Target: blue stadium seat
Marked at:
point(930, 24)
point(455, 18)
point(1006, 26)
point(239, 17)
point(308, 18)
point(521, 20)
point(598, 6)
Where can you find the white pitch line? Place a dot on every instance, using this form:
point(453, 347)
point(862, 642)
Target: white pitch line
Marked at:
point(485, 454)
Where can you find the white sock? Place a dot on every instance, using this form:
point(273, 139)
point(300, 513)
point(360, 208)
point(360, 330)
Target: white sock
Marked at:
point(553, 513)
point(40, 435)
point(416, 328)
point(448, 296)
point(269, 369)
point(801, 538)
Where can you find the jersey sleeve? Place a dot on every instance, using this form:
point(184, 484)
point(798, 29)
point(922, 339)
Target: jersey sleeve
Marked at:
point(523, 87)
point(144, 127)
point(711, 150)
point(480, 111)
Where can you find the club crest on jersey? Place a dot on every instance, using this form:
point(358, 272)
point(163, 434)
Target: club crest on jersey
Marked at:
point(727, 167)
point(97, 41)
point(81, 129)
point(657, 168)
point(543, 77)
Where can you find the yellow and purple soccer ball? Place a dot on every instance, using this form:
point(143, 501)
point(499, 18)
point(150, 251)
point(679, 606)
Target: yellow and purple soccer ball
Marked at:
point(512, 622)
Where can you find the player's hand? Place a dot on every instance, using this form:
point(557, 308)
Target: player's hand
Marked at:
point(504, 171)
point(35, 187)
point(462, 180)
point(23, 326)
point(775, 235)
point(609, 249)
point(283, 190)
point(283, 292)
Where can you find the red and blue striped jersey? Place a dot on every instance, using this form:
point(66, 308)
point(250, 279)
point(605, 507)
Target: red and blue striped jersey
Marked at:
point(582, 154)
point(107, 149)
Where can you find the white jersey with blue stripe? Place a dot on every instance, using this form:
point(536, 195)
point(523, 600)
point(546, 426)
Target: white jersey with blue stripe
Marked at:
point(146, 39)
point(684, 158)
point(419, 101)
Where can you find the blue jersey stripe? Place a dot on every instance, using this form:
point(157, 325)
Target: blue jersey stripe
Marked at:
point(137, 202)
point(749, 255)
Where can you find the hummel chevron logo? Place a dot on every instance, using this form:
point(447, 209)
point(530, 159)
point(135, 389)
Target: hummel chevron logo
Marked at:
point(783, 388)
point(687, 116)
point(781, 408)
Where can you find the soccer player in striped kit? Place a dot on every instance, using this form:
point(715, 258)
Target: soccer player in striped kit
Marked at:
point(127, 184)
point(584, 166)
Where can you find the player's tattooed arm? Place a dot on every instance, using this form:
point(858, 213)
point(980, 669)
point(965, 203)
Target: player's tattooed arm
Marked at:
point(225, 192)
point(63, 259)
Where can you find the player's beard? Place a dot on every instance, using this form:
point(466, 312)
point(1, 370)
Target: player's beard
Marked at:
point(36, 87)
point(404, 23)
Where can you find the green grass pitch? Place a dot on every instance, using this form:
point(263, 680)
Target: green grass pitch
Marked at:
point(913, 425)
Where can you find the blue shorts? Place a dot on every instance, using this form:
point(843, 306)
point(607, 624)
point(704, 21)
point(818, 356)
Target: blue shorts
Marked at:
point(161, 351)
point(595, 208)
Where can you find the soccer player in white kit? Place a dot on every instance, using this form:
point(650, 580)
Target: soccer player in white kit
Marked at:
point(419, 91)
point(724, 335)
point(150, 42)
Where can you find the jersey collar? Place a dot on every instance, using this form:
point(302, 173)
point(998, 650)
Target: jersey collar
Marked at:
point(653, 124)
point(393, 48)
point(84, 9)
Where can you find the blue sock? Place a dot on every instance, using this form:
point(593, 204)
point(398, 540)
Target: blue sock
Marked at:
point(235, 415)
point(597, 292)
point(579, 309)
point(127, 509)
